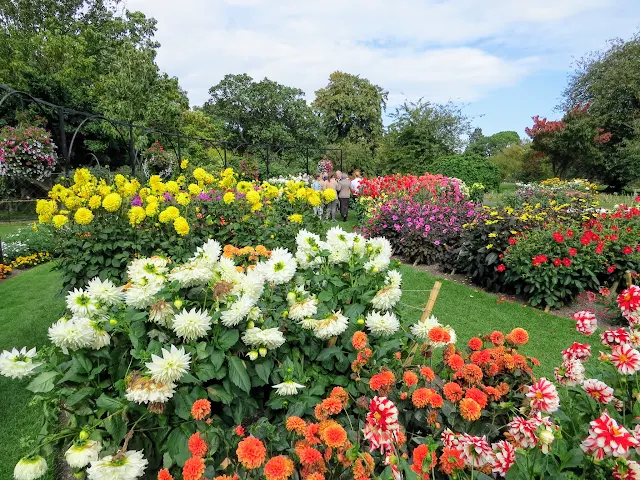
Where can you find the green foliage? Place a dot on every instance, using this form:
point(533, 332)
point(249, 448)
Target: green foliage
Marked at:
point(468, 168)
point(262, 112)
point(420, 133)
point(351, 109)
point(516, 163)
point(489, 146)
point(196, 123)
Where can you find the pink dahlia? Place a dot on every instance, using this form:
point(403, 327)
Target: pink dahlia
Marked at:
point(608, 439)
point(543, 396)
point(625, 359)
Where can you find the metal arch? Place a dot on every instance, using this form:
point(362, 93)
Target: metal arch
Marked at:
point(93, 117)
point(23, 94)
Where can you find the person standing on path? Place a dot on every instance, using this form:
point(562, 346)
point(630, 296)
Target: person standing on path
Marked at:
point(355, 183)
point(332, 206)
point(317, 186)
point(344, 193)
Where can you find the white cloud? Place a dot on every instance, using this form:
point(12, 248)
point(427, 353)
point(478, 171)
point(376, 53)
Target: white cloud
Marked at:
point(459, 50)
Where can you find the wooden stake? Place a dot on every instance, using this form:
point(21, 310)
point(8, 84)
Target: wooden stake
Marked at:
point(426, 313)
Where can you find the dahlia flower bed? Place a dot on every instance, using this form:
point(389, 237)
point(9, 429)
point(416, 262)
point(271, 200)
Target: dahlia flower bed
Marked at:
point(99, 227)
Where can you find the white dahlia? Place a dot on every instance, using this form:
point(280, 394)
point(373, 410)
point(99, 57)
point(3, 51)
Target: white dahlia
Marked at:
point(394, 278)
point(104, 292)
point(101, 337)
point(280, 268)
point(237, 311)
point(73, 333)
point(330, 326)
point(173, 364)
point(191, 274)
point(145, 390)
point(308, 323)
point(209, 253)
point(382, 324)
point(113, 467)
point(80, 303)
point(18, 363)
point(81, 453)
point(380, 251)
point(250, 284)
point(161, 313)
point(358, 244)
point(303, 309)
point(270, 338)
point(227, 270)
point(30, 468)
point(142, 295)
point(191, 324)
point(422, 329)
point(288, 387)
point(148, 269)
point(308, 242)
point(386, 297)
point(308, 260)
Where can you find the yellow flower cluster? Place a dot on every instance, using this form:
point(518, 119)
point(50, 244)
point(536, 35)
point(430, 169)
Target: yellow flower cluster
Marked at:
point(32, 260)
point(5, 270)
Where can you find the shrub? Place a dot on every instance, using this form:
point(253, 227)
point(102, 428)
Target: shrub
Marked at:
point(469, 168)
point(100, 226)
point(27, 152)
point(27, 241)
point(571, 194)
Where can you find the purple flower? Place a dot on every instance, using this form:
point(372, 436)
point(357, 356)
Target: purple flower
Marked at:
point(167, 196)
point(136, 201)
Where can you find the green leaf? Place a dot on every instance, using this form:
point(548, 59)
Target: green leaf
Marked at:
point(116, 427)
point(42, 383)
point(218, 394)
point(109, 404)
point(264, 369)
point(79, 395)
point(228, 339)
point(328, 353)
point(217, 358)
point(325, 296)
point(177, 445)
point(354, 310)
point(238, 374)
point(205, 371)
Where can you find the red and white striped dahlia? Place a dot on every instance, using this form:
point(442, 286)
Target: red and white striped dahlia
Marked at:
point(543, 396)
point(608, 439)
point(625, 359)
point(599, 391)
point(586, 322)
point(382, 427)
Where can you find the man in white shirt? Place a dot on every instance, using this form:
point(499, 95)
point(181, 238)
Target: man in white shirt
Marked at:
point(355, 183)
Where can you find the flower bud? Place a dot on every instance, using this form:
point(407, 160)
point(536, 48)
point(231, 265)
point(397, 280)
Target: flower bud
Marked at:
point(546, 437)
point(262, 351)
point(360, 321)
point(250, 324)
point(291, 297)
point(253, 355)
point(83, 435)
point(177, 303)
point(113, 321)
point(285, 314)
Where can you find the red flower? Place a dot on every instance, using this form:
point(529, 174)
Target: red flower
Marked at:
point(607, 438)
point(566, 262)
point(573, 252)
point(625, 359)
point(558, 237)
point(557, 262)
point(627, 250)
point(539, 260)
point(501, 267)
point(570, 233)
point(512, 240)
point(239, 431)
point(611, 268)
point(600, 248)
point(586, 322)
point(475, 344)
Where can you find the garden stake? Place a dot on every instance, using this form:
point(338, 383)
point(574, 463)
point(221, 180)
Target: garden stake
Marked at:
point(428, 308)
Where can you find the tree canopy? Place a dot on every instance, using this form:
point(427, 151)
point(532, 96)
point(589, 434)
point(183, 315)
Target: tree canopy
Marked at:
point(488, 146)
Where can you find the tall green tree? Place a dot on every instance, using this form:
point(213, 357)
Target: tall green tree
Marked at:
point(608, 81)
point(351, 109)
point(263, 112)
point(488, 146)
point(420, 133)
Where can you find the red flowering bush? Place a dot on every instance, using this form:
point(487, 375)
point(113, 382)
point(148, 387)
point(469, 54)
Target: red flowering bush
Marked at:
point(425, 187)
point(553, 265)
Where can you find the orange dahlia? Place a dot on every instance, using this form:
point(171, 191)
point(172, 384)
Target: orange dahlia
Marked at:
point(296, 424)
point(382, 381)
point(239, 430)
point(193, 469)
point(363, 467)
point(450, 461)
point(359, 340)
point(197, 446)
point(332, 405)
point(320, 413)
point(435, 401)
point(251, 452)
point(309, 456)
point(334, 435)
point(341, 394)
point(493, 393)
point(475, 344)
point(315, 476)
point(455, 362)
point(497, 338)
point(470, 409)
point(518, 336)
point(311, 432)
point(439, 335)
point(200, 409)
point(471, 373)
point(278, 468)
point(164, 475)
point(476, 395)
point(410, 379)
point(423, 461)
point(452, 391)
point(428, 374)
point(421, 397)
point(481, 357)
point(226, 477)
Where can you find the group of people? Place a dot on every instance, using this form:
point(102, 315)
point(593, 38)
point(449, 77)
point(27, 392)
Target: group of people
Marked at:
point(344, 186)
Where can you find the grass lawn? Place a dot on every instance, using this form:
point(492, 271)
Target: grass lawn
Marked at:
point(28, 305)
point(7, 228)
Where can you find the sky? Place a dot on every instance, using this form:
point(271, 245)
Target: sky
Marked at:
point(503, 60)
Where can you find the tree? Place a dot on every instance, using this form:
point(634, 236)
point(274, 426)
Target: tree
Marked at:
point(488, 146)
point(609, 82)
point(516, 164)
point(475, 135)
point(196, 123)
point(420, 133)
point(351, 109)
point(262, 112)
